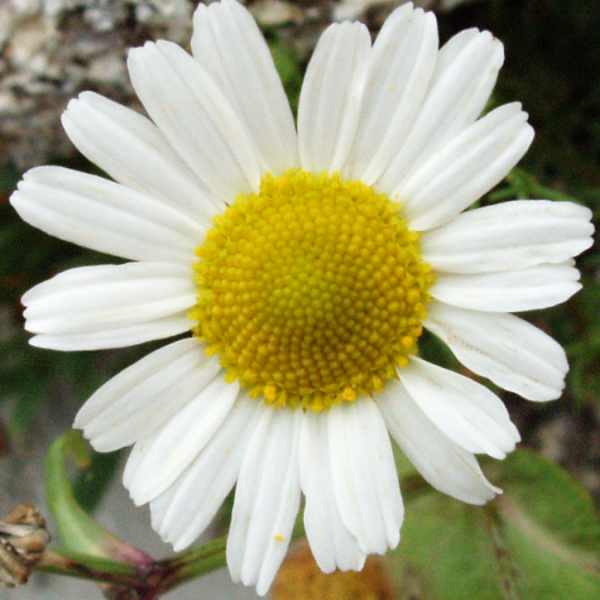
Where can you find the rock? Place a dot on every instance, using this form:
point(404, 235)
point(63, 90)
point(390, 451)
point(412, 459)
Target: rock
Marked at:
point(52, 49)
point(271, 13)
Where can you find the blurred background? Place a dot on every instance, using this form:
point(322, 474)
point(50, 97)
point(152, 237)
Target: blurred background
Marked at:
point(52, 49)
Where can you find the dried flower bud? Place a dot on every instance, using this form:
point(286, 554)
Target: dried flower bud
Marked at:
point(23, 540)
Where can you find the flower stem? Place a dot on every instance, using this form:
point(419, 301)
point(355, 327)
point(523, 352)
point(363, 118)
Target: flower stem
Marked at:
point(88, 567)
point(155, 579)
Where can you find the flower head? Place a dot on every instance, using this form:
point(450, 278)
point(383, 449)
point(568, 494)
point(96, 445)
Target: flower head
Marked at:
point(305, 261)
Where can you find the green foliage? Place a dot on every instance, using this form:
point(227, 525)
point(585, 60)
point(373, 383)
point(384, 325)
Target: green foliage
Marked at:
point(289, 69)
point(77, 531)
point(521, 184)
point(91, 483)
point(540, 539)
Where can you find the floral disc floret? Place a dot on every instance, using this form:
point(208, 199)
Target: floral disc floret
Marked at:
point(313, 291)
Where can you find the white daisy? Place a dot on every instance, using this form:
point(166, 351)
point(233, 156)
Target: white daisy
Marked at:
point(305, 263)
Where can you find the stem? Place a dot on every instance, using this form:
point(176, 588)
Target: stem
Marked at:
point(197, 554)
point(163, 575)
point(88, 567)
point(192, 570)
point(79, 532)
point(160, 576)
point(200, 561)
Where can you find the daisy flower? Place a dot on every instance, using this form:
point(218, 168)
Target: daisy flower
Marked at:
point(305, 260)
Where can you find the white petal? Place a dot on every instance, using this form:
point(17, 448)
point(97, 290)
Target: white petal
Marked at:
point(510, 291)
point(96, 299)
point(143, 397)
point(466, 411)
point(466, 70)
point(133, 460)
point(119, 337)
point(446, 466)
point(267, 499)
point(332, 544)
point(510, 235)
point(102, 215)
point(182, 438)
point(183, 512)
point(399, 73)
point(229, 45)
point(364, 475)
point(131, 149)
point(514, 354)
point(196, 118)
point(137, 388)
point(463, 47)
point(466, 168)
point(331, 95)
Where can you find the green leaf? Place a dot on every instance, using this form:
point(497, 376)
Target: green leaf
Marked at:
point(8, 179)
point(78, 532)
point(539, 540)
point(289, 69)
point(522, 184)
point(91, 483)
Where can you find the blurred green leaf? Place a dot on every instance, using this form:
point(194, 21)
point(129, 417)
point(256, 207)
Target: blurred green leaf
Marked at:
point(8, 179)
point(91, 483)
point(539, 540)
point(79, 533)
point(522, 184)
point(289, 69)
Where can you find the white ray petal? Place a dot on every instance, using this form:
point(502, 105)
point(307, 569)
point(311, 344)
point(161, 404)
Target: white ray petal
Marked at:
point(267, 499)
point(194, 115)
point(331, 95)
point(514, 354)
point(93, 299)
point(464, 410)
point(151, 404)
point(509, 291)
point(399, 72)
point(230, 46)
point(466, 70)
point(182, 513)
point(182, 438)
point(119, 337)
point(445, 465)
point(102, 215)
point(132, 150)
point(466, 168)
point(510, 235)
point(364, 475)
point(332, 544)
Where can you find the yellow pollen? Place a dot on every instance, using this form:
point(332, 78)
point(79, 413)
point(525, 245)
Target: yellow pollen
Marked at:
point(312, 292)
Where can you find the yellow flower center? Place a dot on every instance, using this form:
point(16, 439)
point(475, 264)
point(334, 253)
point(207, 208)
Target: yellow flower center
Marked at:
point(312, 292)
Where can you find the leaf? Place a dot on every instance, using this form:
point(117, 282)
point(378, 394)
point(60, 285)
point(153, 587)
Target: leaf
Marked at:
point(288, 66)
point(91, 484)
point(522, 184)
point(79, 533)
point(77, 530)
point(539, 540)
